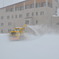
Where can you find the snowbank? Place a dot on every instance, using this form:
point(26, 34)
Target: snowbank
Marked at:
point(41, 29)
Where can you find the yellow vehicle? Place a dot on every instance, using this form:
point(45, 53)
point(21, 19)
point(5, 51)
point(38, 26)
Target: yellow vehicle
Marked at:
point(17, 31)
point(14, 33)
point(20, 30)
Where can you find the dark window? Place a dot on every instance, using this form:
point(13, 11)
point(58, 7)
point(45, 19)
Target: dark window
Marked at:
point(27, 14)
point(57, 0)
point(43, 4)
point(31, 5)
point(57, 23)
point(8, 17)
point(36, 13)
point(9, 30)
point(36, 21)
point(21, 8)
point(37, 5)
point(20, 16)
point(1, 31)
point(11, 9)
point(12, 16)
point(32, 13)
point(56, 11)
point(27, 22)
point(42, 13)
point(49, 4)
point(15, 16)
point(7, 10)
point(2, 24)
point(2, 17)
point(9, 23)
point(16, 8)
point(26, 6)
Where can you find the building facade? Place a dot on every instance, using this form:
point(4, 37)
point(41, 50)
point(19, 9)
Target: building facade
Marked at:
point(31, 12)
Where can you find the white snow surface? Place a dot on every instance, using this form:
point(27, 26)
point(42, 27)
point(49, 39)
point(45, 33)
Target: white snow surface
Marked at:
point(35, 47)
point(43, 45)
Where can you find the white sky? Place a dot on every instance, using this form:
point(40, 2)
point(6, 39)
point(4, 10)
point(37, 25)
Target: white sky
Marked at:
point(8, 2)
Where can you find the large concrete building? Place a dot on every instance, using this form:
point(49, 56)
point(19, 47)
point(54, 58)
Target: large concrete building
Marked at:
point(31, 12)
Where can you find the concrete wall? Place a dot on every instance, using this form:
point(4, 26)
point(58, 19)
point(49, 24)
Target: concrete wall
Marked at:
point(55, 22)
point(45, 18)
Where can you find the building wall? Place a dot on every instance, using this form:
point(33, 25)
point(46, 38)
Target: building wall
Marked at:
point(55, 21)
point(19, 14)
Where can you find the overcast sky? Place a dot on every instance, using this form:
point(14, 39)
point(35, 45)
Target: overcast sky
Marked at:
point(8, 2)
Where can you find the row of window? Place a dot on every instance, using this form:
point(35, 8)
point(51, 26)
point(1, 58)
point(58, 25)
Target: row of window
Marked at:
point(2, 31)
point(27, 15)
point(8, 17)
point(9, 23)
point(42, 4)
point(26, 22)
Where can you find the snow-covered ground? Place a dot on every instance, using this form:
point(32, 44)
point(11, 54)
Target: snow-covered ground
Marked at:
point(35, 47)
point(45, 45)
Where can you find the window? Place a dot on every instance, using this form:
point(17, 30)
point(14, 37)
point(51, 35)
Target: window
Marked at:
point(26, 6)
point(56, 11)
point(9, 9)
point(49, 4)
point(57, 0)
point(1, 31)
point(29, 6)
point(36, 21)
point(32, 13)
point(27, 14)
point(21, 8)
point(15, 16)
point(16, 8)
point(2, 17)
point(9, 30)
point(12, 16)
point(9, 23)
point(42, 13)
point(57, 23)
point(36, 13)
point(27, 22)
point(37, 5)
point(32, 5)
point(8, 17)
point(43, 4)
point(2, 24)
point(20, 16)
